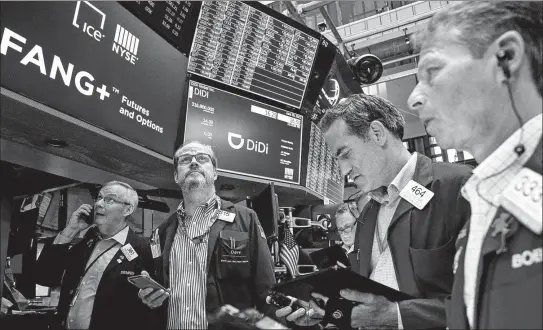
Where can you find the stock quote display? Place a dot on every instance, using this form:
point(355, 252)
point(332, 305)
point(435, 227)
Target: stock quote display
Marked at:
point(249, 137)
point(241, 46)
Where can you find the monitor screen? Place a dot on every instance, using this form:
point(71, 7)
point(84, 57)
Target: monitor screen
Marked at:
point(267, 208)
point(171, 19)
point(249, 137)
point(96, 62)
point(240, 45)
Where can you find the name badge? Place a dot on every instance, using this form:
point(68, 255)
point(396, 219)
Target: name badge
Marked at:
point(226, 216)
point(155, 245)
point(522, 198)
point(129, 252)
point(416, 194)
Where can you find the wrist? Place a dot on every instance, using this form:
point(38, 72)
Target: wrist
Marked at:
point(69, 233)
point(390, 316)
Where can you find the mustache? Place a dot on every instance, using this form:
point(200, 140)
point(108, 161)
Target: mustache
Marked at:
point(197, 171)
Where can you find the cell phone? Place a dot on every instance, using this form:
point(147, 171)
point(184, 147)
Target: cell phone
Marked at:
point(144, 282)
point(89, 218)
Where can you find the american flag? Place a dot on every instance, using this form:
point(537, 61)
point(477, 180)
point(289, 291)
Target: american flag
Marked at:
point(289, 253)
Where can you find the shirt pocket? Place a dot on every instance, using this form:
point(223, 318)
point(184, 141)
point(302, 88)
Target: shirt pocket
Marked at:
point(433, 268)
point(234, 255)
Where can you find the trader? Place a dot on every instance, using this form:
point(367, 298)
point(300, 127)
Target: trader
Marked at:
point(346, 227)
point(407, 232)
point(210, 252)
point(480, 85)
point(95, 292)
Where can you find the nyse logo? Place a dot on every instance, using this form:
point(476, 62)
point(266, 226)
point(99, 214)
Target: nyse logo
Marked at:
point(95, 13)
point(125, 44)
point(251, 145)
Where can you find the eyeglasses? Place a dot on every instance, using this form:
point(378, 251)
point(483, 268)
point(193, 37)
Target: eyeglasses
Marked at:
point(346, 229)
point(187, 159)
point(109, 200)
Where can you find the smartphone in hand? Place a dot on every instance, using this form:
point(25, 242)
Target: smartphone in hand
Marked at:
point(88, 218)
point(144, 282)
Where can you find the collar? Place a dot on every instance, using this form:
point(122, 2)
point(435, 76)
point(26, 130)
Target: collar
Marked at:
point(120, 236)
point(347, 251)
point(212, 201)
point(398, 183)
point(504, 156)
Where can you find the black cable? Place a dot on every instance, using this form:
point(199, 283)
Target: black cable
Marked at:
point(519, 148)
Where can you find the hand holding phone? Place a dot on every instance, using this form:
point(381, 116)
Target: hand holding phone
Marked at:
point(144, 281)
point(80, 220)
point(151, 293)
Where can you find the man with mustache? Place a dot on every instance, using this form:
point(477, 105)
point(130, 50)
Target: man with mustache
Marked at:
point(479, 89)
point(209, 253)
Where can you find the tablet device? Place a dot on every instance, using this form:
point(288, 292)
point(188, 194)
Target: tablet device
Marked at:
point(329, 257)
point(331, 281)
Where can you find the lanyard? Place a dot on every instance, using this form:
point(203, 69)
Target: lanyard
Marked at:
point(87, 269)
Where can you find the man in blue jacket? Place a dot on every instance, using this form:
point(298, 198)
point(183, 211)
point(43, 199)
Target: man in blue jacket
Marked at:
point(209, 253)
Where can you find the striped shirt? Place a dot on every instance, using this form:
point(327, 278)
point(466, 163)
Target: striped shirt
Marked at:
point(382, 264)
point(490, 183)
point(188, 266)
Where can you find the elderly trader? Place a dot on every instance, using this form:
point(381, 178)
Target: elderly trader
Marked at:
point(93, 273)
point(409, 227)
point(346, 227)
point(209, 253)
point(480, 85)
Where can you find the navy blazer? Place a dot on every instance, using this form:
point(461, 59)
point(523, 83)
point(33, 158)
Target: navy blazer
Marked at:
point(421, 242)
point(116, 304)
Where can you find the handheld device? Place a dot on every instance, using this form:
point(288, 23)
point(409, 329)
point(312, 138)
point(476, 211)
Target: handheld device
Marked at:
point(88, 218)
point(280, 300)
point(144, 282)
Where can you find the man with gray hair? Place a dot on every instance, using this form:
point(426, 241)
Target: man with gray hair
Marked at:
point(406, 233)
point(346, 228)
point(480, 81)
point(93, 273)
point(209, 253)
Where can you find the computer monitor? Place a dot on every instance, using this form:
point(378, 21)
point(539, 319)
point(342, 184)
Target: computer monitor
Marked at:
point(266, 207)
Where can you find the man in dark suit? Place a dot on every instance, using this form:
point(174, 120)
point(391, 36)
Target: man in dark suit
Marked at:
point(480, 89)
point(95, 292)
point(406, 234)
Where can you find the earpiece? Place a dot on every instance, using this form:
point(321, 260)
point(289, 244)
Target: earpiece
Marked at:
point(503, 61)
point(503, 57)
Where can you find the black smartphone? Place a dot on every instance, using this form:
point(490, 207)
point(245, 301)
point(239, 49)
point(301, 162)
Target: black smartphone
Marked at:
point(89, 218)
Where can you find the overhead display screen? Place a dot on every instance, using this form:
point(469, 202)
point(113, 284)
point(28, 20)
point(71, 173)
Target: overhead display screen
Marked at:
point(169, 18)
point(97, 62)
point(249, 137)
point(241, 46)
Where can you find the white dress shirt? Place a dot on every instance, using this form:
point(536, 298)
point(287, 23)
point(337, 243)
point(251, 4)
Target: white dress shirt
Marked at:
point(382, 264)
point(482, 213)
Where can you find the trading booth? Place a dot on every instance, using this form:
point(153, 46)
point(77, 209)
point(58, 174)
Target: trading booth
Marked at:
point(100, 91)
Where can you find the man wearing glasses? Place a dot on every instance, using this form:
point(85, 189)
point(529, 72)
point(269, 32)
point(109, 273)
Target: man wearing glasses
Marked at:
point(209, 253)
point(95, 292)
point(346, 228)
point(406, 233)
